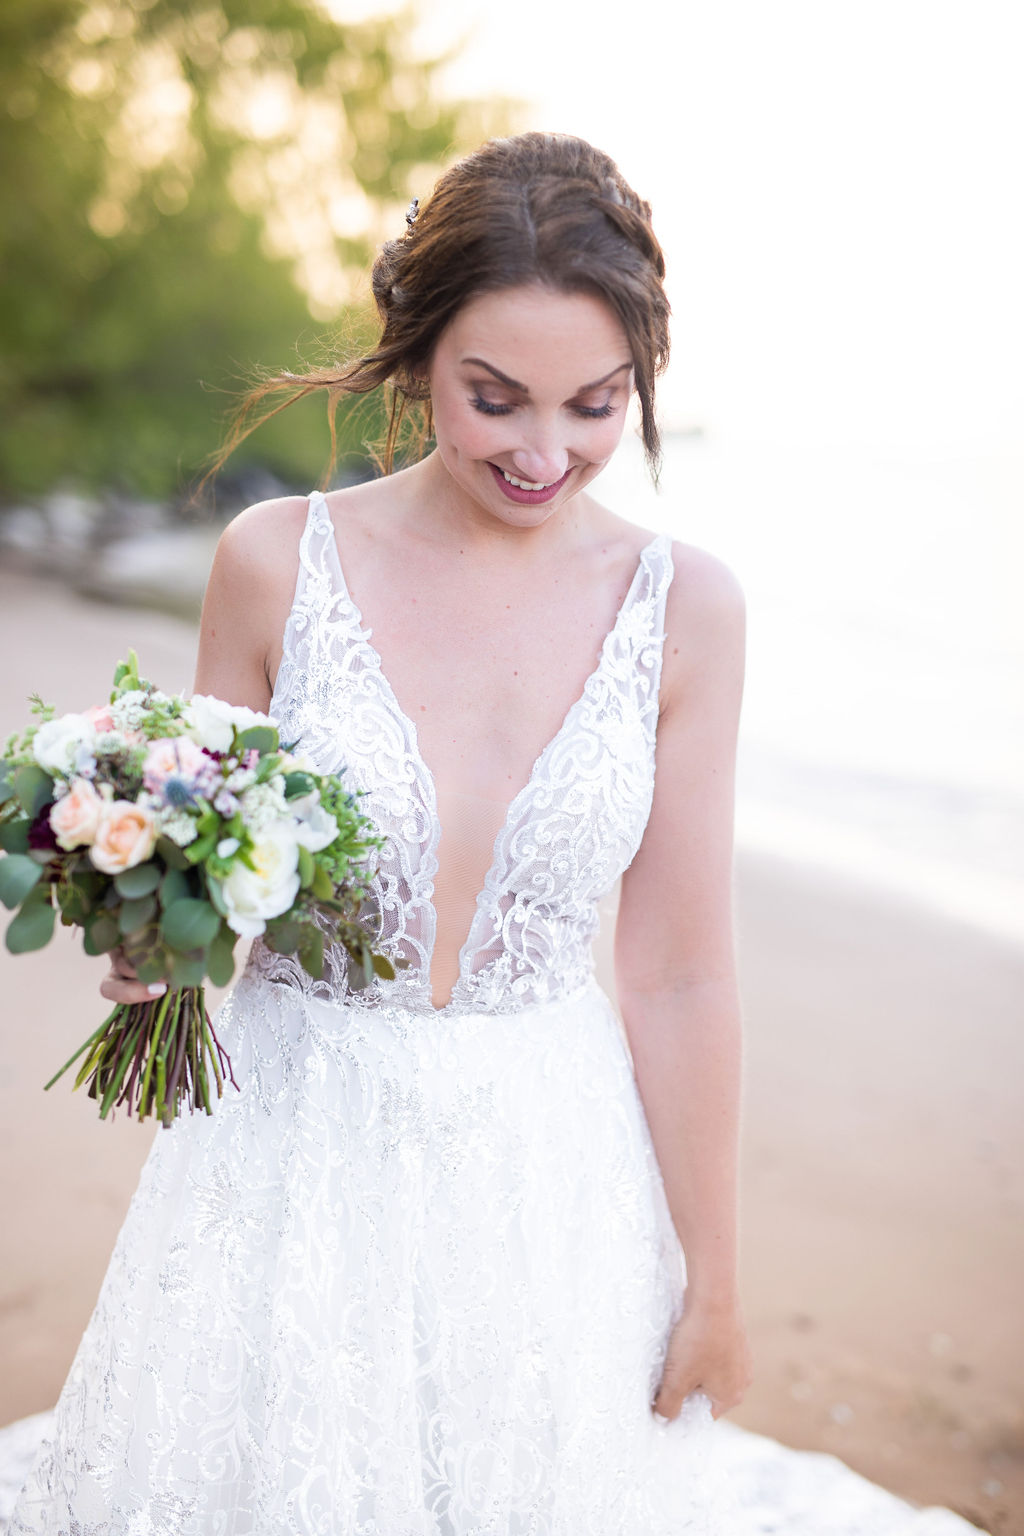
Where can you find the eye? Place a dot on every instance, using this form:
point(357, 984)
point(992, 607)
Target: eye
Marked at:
point(488, 407)
point(594, 410)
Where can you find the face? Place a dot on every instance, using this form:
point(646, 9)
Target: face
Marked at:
point(529, 389)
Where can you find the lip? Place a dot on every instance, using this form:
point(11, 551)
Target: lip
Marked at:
point(527, 498)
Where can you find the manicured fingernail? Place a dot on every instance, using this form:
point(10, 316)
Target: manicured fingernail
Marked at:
point(157, 989)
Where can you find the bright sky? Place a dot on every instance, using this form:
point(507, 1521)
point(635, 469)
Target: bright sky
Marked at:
point(837, 184)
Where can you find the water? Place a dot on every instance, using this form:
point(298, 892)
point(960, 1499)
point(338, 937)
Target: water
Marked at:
point(883, 730)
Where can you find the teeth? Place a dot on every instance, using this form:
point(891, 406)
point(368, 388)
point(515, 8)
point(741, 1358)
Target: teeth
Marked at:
point(527, 485)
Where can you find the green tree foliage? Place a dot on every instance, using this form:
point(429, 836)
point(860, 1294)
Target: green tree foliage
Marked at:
point(190, 189)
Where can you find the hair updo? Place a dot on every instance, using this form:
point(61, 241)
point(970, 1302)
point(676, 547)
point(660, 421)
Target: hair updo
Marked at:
point(537, 208)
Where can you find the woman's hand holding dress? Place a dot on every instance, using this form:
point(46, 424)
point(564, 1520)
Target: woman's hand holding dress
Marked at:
point(707, 1352)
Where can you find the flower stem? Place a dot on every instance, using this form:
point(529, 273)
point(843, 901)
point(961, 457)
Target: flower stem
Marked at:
point(154, 1058)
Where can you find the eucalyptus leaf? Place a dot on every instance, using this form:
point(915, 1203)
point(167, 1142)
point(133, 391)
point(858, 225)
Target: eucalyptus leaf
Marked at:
point(323, 885)
point(140, 881)
point(73, 903)
point(31, 928)
point(311, 952)
point(189, 924)
point(88, 878)
point(187, 972)
point(175, 886)
point(383, 967)
point(170, 854)
point(220, 964)
point(283, 935)
point(152, 967)
point(102, 934)
point(259, 738)
point(18, 874)
point(14, 835)
point(297, 783)
point(136, 914)
point(33, 787)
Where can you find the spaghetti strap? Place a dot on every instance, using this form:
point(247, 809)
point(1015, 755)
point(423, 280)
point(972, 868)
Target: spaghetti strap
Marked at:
point(319, 586)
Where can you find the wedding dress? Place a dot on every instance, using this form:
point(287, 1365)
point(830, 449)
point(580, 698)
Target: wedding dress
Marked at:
point(416, 1277)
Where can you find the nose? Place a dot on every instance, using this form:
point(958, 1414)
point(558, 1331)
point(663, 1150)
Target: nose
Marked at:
point(542, 459)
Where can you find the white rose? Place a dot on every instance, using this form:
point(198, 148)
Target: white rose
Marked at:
point(254, 895)
point(213, 722)
point(314, 827)
point(56, 744)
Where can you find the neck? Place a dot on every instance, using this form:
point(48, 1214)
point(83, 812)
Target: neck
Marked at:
point(437, 509)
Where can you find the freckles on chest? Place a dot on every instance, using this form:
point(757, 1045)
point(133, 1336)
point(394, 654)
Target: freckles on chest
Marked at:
point(471, 693)
point(487, 698)
point(473, 656)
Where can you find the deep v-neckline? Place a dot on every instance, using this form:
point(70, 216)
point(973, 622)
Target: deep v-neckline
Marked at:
point(423, 769)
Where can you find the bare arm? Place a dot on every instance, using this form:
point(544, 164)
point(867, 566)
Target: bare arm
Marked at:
point(676, 974)
point(248, 598)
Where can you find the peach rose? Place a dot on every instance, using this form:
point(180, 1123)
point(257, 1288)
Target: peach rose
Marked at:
point(100, 718)
point(74, 819)
point(125, 836)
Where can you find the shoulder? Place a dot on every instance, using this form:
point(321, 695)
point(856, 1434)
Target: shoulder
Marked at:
point(262, 542)
point(705, 598)
point(248, 598)
point(705, 621)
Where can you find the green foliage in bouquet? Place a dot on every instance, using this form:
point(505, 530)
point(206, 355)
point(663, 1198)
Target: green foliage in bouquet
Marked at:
point(168, 829)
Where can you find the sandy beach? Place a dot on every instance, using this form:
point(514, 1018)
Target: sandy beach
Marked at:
point(883, 1172)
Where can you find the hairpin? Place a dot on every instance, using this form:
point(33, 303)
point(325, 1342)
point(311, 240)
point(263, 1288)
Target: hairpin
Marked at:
point(412, 212)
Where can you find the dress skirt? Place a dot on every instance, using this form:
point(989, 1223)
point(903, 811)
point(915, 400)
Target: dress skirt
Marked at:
point(415, 1278)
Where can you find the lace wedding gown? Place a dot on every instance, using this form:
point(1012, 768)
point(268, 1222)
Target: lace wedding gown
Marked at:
point(416, 1277)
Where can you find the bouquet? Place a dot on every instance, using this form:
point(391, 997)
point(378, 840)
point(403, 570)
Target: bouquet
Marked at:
point(171, 828)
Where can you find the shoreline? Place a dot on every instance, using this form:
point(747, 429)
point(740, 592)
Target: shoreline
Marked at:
point(883, 1254)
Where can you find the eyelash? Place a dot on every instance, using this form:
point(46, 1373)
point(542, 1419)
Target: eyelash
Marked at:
point(591, 412)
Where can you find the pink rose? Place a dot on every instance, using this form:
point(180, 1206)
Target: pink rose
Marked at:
point(74, 819)
point(125, 836)
point(178, 760)
point(101, 719)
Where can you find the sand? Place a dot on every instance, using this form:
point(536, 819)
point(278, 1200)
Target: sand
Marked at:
point(883, 1176)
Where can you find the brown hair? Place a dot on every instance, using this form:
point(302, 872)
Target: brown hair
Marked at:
point(538, 208)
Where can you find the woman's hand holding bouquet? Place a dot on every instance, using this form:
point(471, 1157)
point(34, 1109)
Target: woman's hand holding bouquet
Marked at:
point(166, 829)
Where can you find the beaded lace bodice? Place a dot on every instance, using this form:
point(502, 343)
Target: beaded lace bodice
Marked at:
point(567, 835)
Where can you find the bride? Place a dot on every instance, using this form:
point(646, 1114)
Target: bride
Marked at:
point(424, 1273)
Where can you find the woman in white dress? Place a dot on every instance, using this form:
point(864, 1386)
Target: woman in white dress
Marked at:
point(423, 1273)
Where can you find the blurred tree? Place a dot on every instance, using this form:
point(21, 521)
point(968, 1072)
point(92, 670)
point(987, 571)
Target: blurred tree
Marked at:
point(189, 189)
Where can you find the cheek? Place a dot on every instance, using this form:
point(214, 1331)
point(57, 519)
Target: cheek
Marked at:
point(479, 438)
point(604, 437)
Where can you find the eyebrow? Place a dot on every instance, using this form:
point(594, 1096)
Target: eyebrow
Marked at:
point(521, 389)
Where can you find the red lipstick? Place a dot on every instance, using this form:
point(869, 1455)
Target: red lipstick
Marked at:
point(527, 498)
